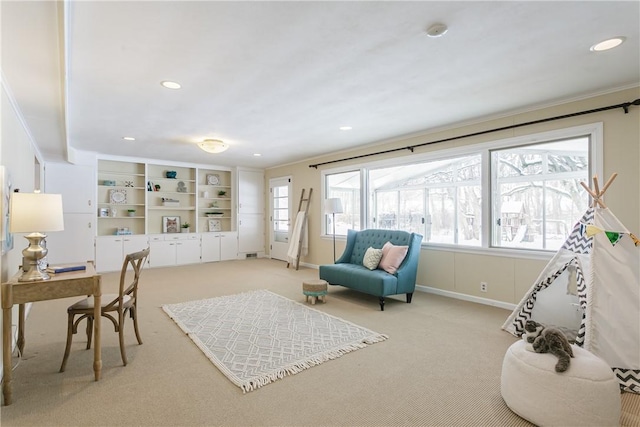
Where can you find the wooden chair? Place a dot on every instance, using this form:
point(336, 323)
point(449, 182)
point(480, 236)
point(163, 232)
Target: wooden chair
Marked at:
point(125, 301)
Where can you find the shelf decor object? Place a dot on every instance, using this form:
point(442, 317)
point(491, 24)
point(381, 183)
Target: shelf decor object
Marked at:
point(118, 196)
point(213, 179)
point(214, 225)
point(171, 224)
point(35, 211)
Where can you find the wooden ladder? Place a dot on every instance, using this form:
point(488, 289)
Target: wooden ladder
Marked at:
point(306, 202)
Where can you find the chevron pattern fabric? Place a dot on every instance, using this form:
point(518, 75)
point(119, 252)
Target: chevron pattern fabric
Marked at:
point(629, 379)
point(578, 242)
point(257, 337)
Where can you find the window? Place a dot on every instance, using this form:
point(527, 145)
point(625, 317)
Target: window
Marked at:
point(346, 187)
point(519, 193)
point(439, 199)
point(537, 193)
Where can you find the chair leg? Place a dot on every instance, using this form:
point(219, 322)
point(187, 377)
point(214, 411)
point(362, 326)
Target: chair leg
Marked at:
point(134, 315)
point(89, 331)
point(123, 354)
point(68, 347)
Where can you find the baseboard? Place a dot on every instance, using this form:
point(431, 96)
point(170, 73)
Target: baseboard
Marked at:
point(450, 294)
point(465, 297)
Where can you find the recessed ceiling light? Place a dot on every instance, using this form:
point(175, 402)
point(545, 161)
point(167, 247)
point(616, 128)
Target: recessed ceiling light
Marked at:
point(345, 128)
point(437, 30)
point(257, 154)
point(607, 44)
point(128, 138)
point(170, 85)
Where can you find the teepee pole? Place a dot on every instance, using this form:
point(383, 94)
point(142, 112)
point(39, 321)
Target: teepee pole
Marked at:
point(598, 194)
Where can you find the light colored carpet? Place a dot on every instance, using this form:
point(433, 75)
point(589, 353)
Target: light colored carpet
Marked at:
point(258, 337)
point(440, 367)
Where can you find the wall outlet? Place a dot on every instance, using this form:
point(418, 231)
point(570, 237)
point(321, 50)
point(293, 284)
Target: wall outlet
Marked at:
point(484, 286)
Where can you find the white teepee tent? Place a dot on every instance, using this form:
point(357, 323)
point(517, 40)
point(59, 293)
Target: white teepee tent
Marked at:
point(592, 288)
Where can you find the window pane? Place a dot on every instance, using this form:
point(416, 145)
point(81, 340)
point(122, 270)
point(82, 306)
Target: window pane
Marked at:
point(538, 194)
point(469, 215)
point(387, 210)
point(346, 187)
point(440, 199)
point(440, 215)
point(411, 216)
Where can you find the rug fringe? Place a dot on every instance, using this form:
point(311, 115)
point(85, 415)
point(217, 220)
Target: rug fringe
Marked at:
point(315, 360)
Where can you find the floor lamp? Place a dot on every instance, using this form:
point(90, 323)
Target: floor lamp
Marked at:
point(333, 206)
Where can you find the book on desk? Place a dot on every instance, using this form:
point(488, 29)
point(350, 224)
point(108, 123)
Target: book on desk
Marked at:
point(55, 269)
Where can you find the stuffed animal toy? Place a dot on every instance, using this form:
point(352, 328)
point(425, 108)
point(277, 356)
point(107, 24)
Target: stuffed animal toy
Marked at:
point(547, 339)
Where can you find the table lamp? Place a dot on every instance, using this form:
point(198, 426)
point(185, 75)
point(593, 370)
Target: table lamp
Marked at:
point(332, 207)
point(29, 212)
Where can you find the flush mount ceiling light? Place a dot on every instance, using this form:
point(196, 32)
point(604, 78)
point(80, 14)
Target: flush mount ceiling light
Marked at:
point(437, 30)
point(170, 85)
point(345, 128)
point(607, 44)
point(214, 146)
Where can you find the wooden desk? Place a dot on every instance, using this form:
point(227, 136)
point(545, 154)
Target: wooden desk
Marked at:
point(60, 285)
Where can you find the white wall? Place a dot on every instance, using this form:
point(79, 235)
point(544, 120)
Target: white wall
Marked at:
point(18, 156)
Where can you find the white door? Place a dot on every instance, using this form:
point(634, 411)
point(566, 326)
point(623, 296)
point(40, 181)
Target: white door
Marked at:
point(109, 253)
point(75, 243)
point(280, 216)
point(228, 245)
point(250, 233)
point(187, 251)
point(76, 183)
point(251, 237)
point(162, 253)
point(210, 247)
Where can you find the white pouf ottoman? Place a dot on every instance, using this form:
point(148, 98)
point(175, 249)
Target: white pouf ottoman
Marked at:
point(587, 394)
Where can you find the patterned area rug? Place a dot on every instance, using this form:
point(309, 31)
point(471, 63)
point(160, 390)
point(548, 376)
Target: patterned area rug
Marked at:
point(257, 337)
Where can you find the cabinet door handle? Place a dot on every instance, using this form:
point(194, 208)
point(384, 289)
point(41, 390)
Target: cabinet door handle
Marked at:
point(89, 202)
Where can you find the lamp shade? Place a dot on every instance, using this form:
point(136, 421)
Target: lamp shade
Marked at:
point(214, 146)
point(33, 212)
point(333, 206)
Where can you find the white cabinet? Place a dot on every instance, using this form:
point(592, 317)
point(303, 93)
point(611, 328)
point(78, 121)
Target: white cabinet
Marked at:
point(250, 233)
point(75, 184)
point(75, 243)
point(251, 236)
point(219, 246)
point(174, 249)
point(111, 250)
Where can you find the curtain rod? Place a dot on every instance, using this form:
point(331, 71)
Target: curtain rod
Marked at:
point(625, 106)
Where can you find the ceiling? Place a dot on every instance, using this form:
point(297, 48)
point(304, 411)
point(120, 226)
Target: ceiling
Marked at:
point(280, 78)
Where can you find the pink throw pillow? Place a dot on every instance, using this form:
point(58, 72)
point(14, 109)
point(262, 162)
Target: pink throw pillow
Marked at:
point(392, 257)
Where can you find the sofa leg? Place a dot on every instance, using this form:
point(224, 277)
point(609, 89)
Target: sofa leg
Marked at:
point(409, 296)
point(381, 303)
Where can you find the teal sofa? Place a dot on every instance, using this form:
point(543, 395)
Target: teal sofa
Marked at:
point(349, 272)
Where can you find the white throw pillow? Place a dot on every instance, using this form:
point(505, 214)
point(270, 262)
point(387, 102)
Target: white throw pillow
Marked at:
point(372, 258)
